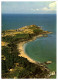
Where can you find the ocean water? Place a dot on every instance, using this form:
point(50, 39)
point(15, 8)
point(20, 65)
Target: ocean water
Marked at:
point(42, 49)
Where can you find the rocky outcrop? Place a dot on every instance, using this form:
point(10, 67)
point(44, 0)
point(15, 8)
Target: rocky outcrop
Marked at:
point(52, 73)
point(48, 62)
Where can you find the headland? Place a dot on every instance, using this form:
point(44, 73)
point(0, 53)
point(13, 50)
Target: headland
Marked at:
point(13, 41)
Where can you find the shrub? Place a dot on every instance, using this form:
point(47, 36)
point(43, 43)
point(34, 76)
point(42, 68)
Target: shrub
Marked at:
point(37, 31)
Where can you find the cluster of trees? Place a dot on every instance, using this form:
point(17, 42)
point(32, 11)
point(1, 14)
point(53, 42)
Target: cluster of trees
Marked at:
point(17, 38)
point(38, 31)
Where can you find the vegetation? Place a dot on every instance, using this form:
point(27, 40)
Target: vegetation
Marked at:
point(38, 31)
point(14, 66)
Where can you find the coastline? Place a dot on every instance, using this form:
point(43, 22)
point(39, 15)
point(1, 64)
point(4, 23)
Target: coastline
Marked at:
point(21, 49)
point(23, 54)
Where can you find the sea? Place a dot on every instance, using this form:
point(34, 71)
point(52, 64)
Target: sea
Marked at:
point(42, 49)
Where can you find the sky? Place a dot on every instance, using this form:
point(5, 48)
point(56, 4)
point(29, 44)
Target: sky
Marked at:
point(39, 7)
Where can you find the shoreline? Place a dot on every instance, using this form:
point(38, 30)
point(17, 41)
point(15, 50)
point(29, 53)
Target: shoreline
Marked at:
point(23, 53)
point(21, 49)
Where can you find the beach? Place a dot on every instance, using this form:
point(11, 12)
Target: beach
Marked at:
point(41, 48)
point(21, 49)
point(23, 54)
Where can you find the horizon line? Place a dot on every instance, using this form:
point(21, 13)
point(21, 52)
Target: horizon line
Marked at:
point(19, 13)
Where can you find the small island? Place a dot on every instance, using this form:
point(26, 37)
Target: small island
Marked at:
point(16, 63)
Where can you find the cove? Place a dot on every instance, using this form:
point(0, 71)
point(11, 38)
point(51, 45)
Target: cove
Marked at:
point(43, 49)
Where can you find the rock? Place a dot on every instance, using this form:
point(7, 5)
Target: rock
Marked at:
point(50, 32)
point(48, 62)
point(32, 25)
point(40, 35)
point(15, 77)
point(45, 35)
point(53, 73)
point(11, 70)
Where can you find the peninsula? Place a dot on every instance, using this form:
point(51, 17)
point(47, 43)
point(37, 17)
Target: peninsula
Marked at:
point(15, 62)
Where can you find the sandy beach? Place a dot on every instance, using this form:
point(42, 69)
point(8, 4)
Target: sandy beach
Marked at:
point(21, 49)
point(22, 53)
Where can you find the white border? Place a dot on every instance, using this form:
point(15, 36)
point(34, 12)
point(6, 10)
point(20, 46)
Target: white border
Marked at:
point(57, 40)
point(56, 36)
point(0, 39)
point(28, 0)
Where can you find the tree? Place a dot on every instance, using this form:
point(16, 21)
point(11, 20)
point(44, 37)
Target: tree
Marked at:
point(37, 31)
